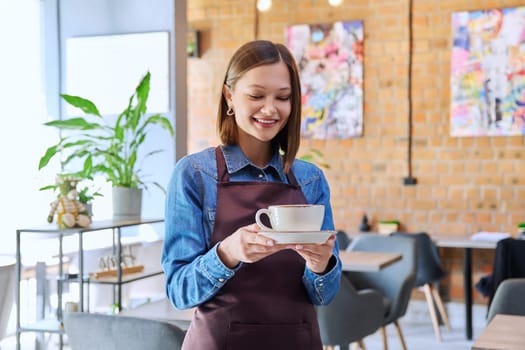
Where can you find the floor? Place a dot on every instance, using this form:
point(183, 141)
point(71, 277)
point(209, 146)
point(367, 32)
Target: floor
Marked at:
point(416, 327)
point(418, 332)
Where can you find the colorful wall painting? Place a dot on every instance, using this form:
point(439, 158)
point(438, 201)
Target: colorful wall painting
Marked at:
point(330, 60)
point(488, 73)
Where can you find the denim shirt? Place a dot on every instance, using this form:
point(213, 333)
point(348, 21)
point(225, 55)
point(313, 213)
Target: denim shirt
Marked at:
point(193, 269)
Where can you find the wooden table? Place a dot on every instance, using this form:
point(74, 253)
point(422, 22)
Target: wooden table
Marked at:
point(366, 261)
point(467, 244)
point(504, 332)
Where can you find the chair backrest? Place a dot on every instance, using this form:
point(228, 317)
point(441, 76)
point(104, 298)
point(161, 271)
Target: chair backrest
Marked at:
point(342, 240)
point(7, 291)
point(395, 281)
point(509, 262)
point(509, 298)
point(341, 322)
point(88, 331)
point(429, 267)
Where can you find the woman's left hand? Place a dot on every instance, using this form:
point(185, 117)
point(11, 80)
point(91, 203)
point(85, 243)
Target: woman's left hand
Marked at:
point(316, 256)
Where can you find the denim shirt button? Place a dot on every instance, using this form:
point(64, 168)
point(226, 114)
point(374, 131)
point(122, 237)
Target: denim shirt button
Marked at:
point(261, 176)
point(221, 279)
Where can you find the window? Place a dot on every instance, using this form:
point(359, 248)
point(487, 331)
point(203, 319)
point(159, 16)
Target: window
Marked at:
point(23, 139)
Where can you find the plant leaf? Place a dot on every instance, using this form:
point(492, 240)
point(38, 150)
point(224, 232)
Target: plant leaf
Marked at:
point(143, 92)
point(50, 153)
point(74, 124)
point(162, 121)
point(84, 104)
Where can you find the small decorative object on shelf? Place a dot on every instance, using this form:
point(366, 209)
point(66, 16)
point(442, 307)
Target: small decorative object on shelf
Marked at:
point(386, 227)
point(70, 212)
point(108, 264)
point(113, 272)
point(521, 230)
point(365, 226)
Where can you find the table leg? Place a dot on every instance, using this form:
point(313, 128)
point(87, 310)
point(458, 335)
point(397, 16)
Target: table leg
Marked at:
point(18, 281)
point(467, 286)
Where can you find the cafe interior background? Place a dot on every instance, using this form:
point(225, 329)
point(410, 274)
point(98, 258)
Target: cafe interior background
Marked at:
point(464, 183)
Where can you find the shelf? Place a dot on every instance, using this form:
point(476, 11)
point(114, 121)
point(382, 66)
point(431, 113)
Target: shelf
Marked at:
point(95, 226)
point(131, 277)
point(45, 326)
point(61, 262)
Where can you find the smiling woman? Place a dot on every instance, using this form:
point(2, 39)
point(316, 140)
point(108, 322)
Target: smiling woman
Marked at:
point(262, 107)
point(222, 262)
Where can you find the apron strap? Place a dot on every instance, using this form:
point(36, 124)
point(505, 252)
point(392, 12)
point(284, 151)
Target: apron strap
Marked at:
point(291, 178)
point(222, 171)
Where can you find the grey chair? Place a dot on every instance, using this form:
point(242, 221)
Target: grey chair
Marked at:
point(395, 282)
point(428, 273)
point(508, 298)
point(88, 331)
point(342, 239)
point(351, 316)
point(7, 291)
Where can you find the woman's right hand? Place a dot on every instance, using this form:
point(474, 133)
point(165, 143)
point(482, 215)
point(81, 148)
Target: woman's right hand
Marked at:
point(246, 245)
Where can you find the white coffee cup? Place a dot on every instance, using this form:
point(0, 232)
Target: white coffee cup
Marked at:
point(292, 217)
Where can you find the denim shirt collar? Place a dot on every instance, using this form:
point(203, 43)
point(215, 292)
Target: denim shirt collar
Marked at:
point(236, 160)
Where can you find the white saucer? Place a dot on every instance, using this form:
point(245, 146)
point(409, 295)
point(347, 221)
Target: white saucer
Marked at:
point(298, 236)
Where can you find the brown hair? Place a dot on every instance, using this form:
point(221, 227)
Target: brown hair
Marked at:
point(250, 55)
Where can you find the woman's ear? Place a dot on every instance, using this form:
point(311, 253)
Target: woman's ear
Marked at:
point(227, 93)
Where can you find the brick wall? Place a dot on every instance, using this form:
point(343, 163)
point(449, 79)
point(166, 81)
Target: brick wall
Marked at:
point(464, 184)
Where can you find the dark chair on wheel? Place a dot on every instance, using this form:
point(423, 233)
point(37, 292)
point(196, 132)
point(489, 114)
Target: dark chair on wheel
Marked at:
point(428, 273)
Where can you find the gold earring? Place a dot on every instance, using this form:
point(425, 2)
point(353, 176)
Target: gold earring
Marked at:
point(230, 112)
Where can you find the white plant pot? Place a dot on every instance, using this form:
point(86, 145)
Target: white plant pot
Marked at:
point(127, 203)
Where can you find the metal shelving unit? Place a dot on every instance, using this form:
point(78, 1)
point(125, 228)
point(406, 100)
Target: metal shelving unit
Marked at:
point(55, 325)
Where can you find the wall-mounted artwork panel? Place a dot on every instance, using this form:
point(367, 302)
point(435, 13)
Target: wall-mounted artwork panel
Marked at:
point(488, 73)
point(330, 60)
point(107, 68)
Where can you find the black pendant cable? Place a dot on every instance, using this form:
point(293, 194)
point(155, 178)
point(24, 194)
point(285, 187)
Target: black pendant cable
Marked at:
point(409, 180)
point(256, 22)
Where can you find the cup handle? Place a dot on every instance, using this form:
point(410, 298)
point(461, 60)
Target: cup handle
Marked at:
point(258, 219)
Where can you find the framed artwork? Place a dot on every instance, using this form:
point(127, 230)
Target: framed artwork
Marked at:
point(488, 73)
point(330, 60)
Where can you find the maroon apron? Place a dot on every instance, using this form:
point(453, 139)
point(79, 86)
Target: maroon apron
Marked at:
point(264, 306)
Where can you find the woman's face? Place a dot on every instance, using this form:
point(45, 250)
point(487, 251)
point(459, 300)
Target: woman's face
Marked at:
point(261, 99)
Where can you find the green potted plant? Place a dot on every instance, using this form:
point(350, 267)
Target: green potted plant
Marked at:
point(386, 227)
point(521, 229)
point(315, 156)
point(110, 148)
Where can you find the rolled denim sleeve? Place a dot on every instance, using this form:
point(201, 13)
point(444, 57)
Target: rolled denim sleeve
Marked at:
point(194, 272)
point(321, 289)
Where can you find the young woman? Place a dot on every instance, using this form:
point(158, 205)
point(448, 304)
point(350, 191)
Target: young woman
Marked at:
point(250, 292)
